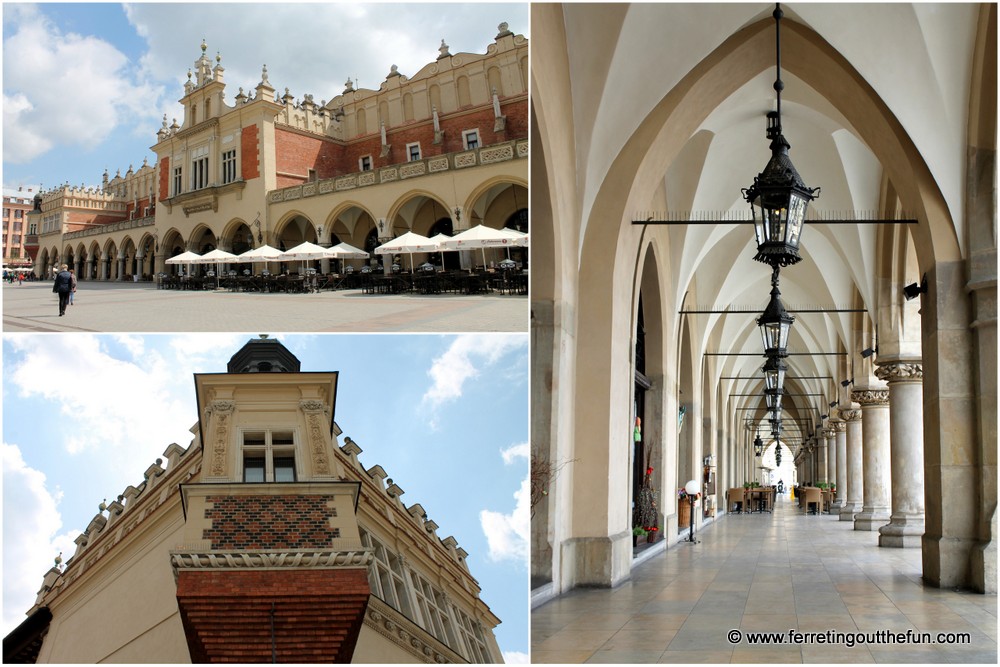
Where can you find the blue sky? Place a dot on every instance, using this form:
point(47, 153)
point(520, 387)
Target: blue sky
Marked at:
point(446, 416)
point(86, 85)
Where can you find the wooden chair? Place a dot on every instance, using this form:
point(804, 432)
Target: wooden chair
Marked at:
point(814, 496)
point(735, 497)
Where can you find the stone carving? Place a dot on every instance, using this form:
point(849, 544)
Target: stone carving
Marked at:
point(412, 169)
point(522, 149)
point(317, 443)
point(221, 410)
point(347, 183)
point(871, 397)
point(437, 164)
point(900, 371)
point(390, 624)
point(242, 560)
point(840, 426)
point(465, 160)
point(326, 187)
point(496, 154)
point(850, 415)
point(312, 405)
point(367, 178)
point(388, 174)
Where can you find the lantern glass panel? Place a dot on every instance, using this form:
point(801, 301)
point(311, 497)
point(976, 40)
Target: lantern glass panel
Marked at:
point(773, 400)
point(774, 374)
point(758, 223)
point(796, 215)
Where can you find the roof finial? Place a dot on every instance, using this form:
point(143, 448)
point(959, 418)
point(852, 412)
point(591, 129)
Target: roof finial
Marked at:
point(204, 46)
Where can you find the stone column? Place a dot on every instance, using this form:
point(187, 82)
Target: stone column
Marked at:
point(822, 458)
point(875, 445)
point(854, 464)
point(840, 426)
point(104, 267)
point(121, 268)
point(831, 452)
point(906, 443)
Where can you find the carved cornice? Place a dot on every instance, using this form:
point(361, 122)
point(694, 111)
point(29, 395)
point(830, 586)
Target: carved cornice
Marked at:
point(850, 415)
point(900, 371)
point(248, 560)
point(395, 627)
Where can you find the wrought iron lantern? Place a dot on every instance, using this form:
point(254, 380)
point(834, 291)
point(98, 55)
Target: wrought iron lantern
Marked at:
point(773, 398)
point(777, 453)
point(778, 197)
point(774, 373)
point(775, 323)
point(758, 446)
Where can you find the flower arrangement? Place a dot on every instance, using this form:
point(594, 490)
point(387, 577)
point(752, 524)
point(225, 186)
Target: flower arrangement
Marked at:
point(644, 514)
point(639, 531)
point(682, 494)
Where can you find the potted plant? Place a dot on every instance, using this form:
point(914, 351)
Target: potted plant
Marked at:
point(637, 532)
point(651, 533)
point(644, 514)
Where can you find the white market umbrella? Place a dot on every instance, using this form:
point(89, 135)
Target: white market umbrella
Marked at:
point(347, 251)
point(305, 252)
point(216, 257)
point(483, 237)
point(408, 243)
point(184, 258)
point(440, 239)
point(264, 253)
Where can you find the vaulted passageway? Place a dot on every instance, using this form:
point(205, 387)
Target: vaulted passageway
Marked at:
point(656, 113)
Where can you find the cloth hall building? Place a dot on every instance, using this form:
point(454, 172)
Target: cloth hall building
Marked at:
point(265, 540)
point(649, 125)
point(439, 151)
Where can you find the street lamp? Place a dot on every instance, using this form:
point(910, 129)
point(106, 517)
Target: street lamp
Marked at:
point(778, 197)
point(775, 322)
point(758, 446)
point(774, 373)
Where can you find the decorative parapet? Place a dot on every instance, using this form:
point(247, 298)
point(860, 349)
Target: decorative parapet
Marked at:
point(122, 226)
point(511, 150)
point(406, 634)
point(900, 371)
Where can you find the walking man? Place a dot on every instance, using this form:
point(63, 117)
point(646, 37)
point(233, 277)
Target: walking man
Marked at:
point(63, 285)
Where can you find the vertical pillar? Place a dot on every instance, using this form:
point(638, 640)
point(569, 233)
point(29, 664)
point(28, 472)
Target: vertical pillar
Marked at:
point(840, 426)
point(831, 452)
point(906, 443)
point(121, 268)
point(104, 267)
point(822, 460)
point(854, 464)
point(875, 445)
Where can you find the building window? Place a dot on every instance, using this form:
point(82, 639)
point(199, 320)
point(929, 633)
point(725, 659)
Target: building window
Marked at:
point(32, 229)
point(365, 163)
point(386, 576)
point(433, 610)
point(229, 166)
point(177, 181)
point(199, 168)
point(472, 638)
point(18, 214)
point(413, 152)
point(17, 226)
point(269, 456)
point(311, 176)
point(6, 213)
point(471, 139)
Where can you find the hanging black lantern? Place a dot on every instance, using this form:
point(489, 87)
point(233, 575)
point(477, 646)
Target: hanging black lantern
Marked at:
point(778, 197)
point(775, 323)
point(758, 446)
point(773, 399)
point(774, 373)
point(777, 453)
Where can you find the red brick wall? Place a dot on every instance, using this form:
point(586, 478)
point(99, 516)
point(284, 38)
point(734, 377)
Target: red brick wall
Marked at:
point(250, 153)
point(317, 617)
point(296, 154)
point(270, 522)
point(164, 178)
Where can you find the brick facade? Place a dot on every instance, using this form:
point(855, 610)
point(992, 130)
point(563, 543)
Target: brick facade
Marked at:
point(164, 178)
point(317, 614)
point(250, 153)
point(270, 522)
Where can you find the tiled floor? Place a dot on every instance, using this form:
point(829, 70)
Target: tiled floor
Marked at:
point(771, 573)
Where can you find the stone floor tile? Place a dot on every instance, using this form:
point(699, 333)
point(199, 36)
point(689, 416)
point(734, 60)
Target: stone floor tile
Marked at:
point(626, 657)
point(767, 654)
point(559, 657)
point(716, 657)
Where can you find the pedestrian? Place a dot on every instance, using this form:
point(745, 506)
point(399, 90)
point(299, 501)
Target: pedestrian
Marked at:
point(72, 292)
point(63, 285)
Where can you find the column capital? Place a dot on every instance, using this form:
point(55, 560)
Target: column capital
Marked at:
point(871, 397)
point(840, 426)
point(830, 432)
point(850, 415)
point(900, 371)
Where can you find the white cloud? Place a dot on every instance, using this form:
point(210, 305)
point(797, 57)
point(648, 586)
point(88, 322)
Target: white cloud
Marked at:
point(464, 360)
point(507, 534)
point(129, 411)
point(515, 658)
point(65, 89)
point(515, 452)
point(31, 537)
